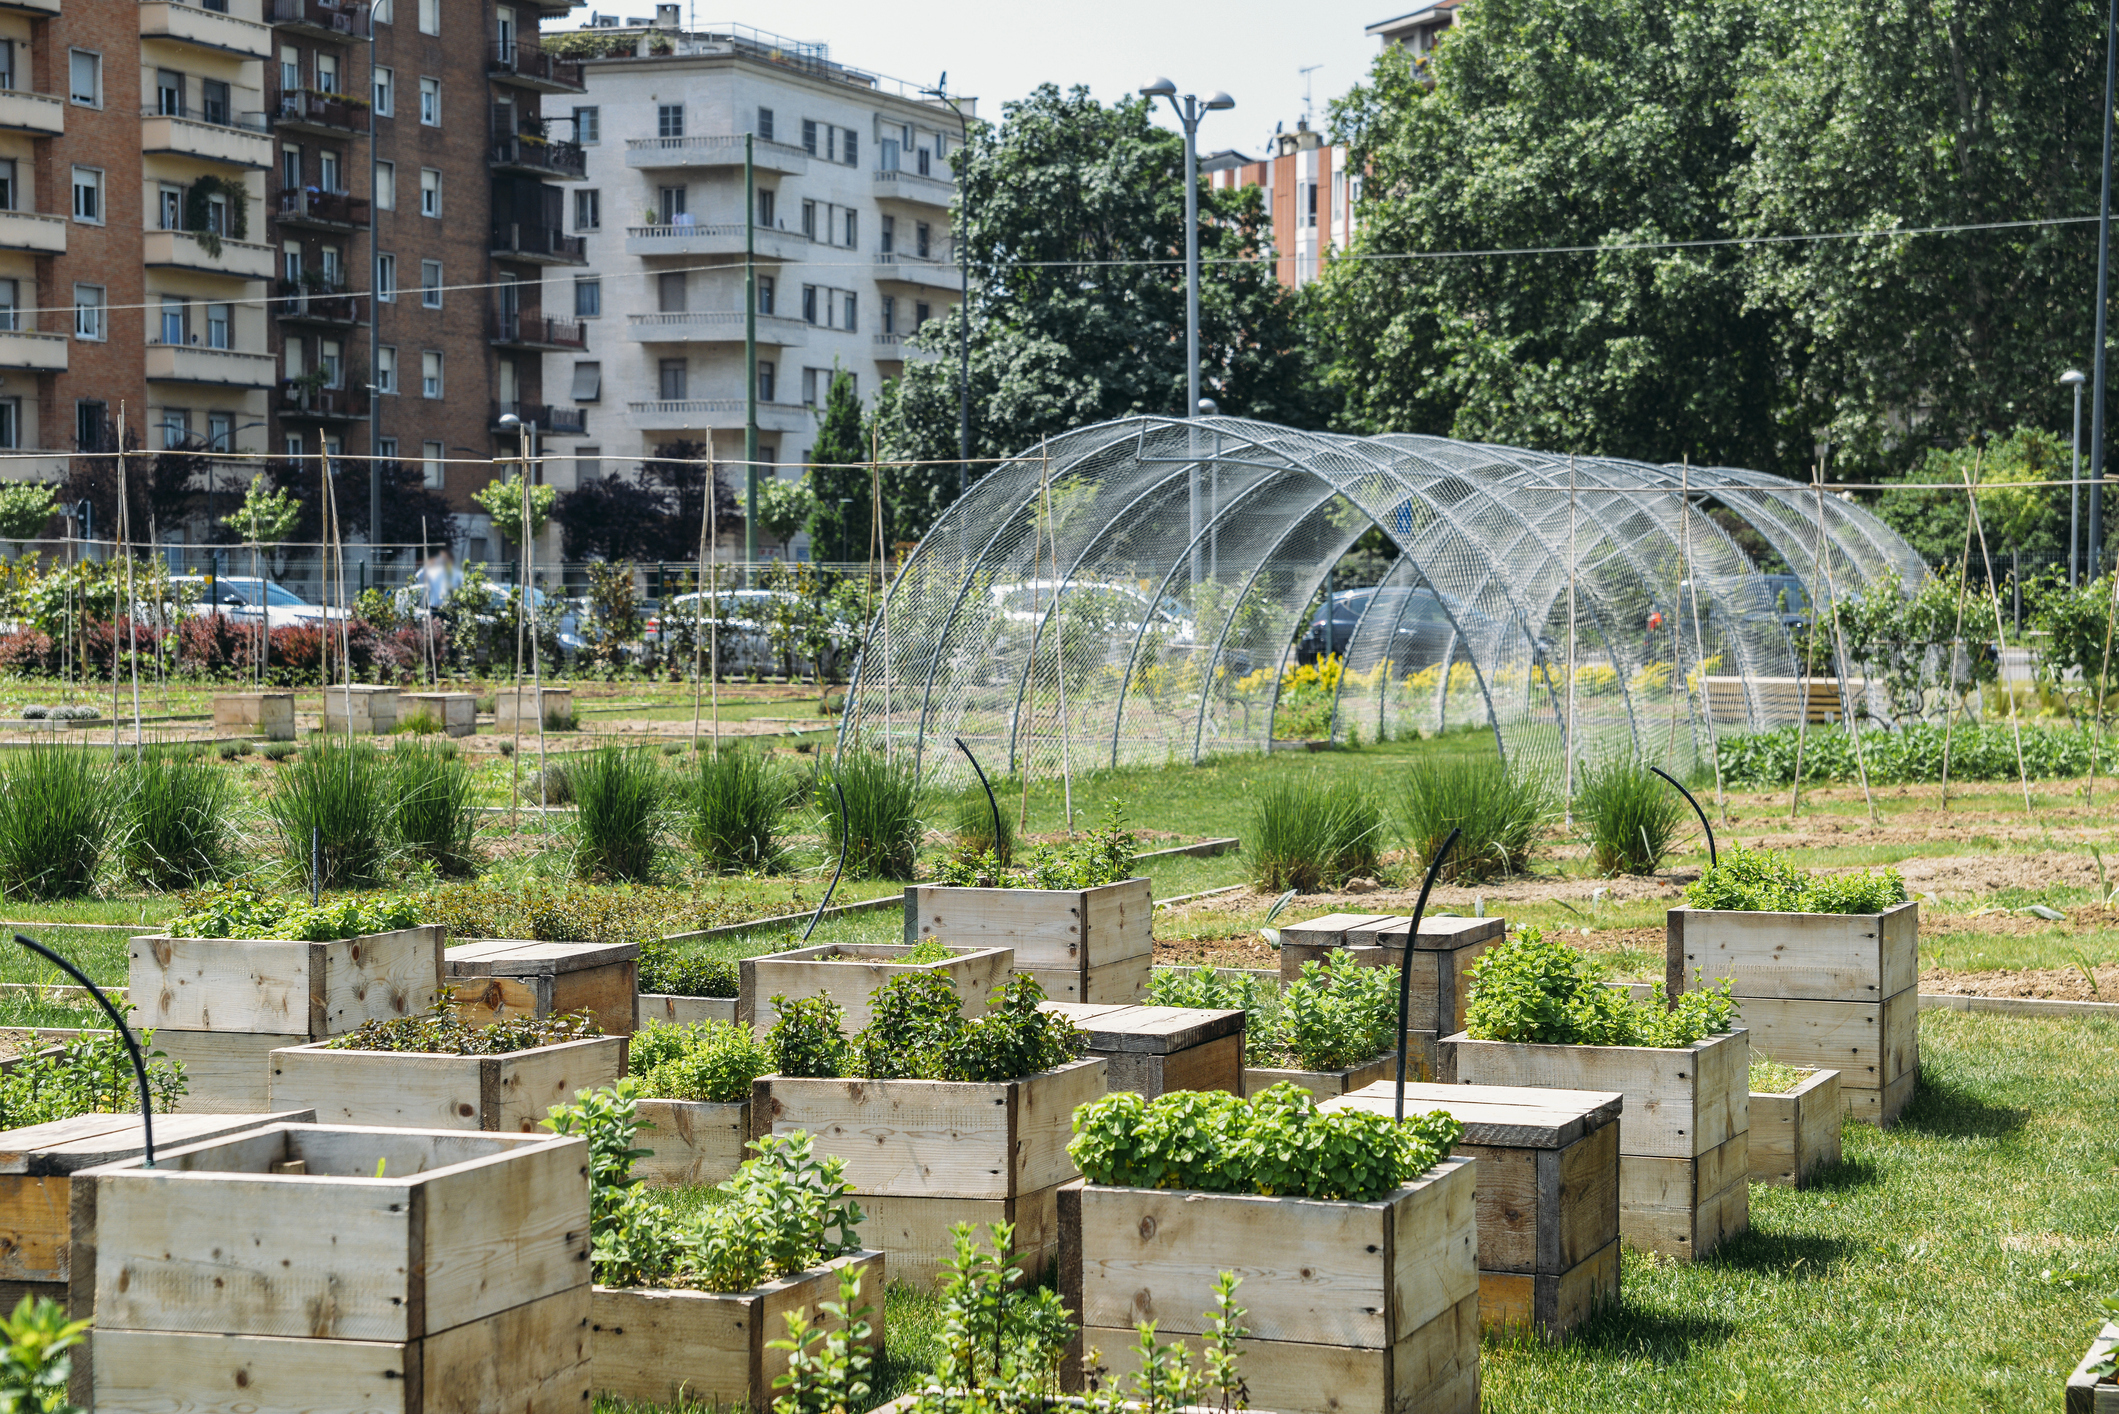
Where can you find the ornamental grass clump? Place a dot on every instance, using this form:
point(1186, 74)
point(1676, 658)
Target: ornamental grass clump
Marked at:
point(175, 813)
point(1313, 834)
point(917, 1031)
point(976, 820)
point(1500, 809)
point(1277, 1142)
point(441, 1032)
point(880, 830)
point(1760, 881)
point(57, 804)
point(709, 1061)
point(618, 808)
point(1632, 813)
point(735, 805)
point(332, 807)
point(433, 808)
point(1540, 992)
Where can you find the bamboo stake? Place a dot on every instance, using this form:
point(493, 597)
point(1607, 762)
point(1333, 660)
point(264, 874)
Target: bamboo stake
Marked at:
point(713, 619)
point(529, 553)
point(335, 545)
point(1059, 647)
point(120, 531)
point(2015, 720)
point(2103, 678)
point(1567, 736)
point(1037, 626)
point(522, 601)
point(880, 537)
point(1699, 649)
point(1949, 720)
point(1802, 717)
point(1839, 654)
point(706, 515)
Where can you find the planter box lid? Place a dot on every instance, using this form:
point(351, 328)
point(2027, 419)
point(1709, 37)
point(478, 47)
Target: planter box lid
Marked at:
point(1148, 1030)
point(520, 957)
point(1503, 1116)
point(1443, 934)
point(1332, 928)
point(66, 1146)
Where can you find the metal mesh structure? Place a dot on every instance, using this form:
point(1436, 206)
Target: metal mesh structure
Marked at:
point(1134, 592)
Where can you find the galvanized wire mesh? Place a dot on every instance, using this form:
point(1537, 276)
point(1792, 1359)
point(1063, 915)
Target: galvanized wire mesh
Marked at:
point(1134, 591)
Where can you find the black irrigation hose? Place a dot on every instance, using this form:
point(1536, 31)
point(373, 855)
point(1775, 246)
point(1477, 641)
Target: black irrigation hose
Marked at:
point(845, 839)
point(1712, 858)
point(991, 803)
point(1405, 963)
point(139, 1064)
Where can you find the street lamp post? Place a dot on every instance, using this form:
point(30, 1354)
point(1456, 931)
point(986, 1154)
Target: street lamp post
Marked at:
point(2074, 378)
point(940, 93)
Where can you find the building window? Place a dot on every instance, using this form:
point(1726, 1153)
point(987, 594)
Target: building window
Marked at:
point(588, 382)
point(920, 311)
point(7, 63)
point(213, 101)
point(765, 124)
point(672, 205)
point(429, 191)
point(220, 431)
point(327, 174)
point(88, 312)
point(588, 209)
point(386, 368)
point(386, 186)
point(809, 136)
point(430, 283)
point(920, 232)
point(767, 203)
point(291, 168)
point(430, 463)
point(588, 298)
point(430, 16)
point(331, 360)
point(853, 311)
point(809, 219)
point(850, 148)
point(890, 314)
point(669, 292)
point(8, 190)
point(669, 120)
point(85, 78)
point(10, 316)
point(386, 278)
point(809, 304)
point(853, 229)
point(672, 371)
point(169, 208)
point(173, 319)
point(88, 195)
point(765, 294)
point(386, 448)
point(889, 238)
point(91, 424)
point(588, 126)
point(430, 373)
point(430, 102)
point(385, 92)
point(176, 428)
point(809, 386)
point(220, 326)
point(765, 381)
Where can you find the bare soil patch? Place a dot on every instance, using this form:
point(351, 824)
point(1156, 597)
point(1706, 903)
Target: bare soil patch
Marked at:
point(2057, 983)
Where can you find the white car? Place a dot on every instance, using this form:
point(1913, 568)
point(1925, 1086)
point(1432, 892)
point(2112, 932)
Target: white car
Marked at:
point(1116, 609)
point(499, 596)
point(239, 596)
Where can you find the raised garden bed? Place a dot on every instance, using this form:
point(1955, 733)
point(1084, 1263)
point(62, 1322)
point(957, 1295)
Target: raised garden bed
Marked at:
point(264, 716)
point(371, 710)
point(455, 712)
point(848, 975)
point(388, 1270)
point(1324, 1084)
point(694, 1114)
point(1082, 945)
point(2087, 1391)
point(1795, 1132)
point(496, 977)
point(1152, 1050)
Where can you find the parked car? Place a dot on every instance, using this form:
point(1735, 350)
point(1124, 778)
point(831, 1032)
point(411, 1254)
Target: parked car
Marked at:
point(567, 627)
point(1426, 626)
point(239, 597)
point(1790, 600)
point(743, 634)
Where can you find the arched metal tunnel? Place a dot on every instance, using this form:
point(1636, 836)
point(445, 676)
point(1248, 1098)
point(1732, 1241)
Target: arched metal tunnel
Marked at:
point(1133, 592)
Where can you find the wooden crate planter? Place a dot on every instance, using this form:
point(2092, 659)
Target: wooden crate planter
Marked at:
point(669, 1009)
point(265, 716)
point(1829, 991)
point(512, 702)
point(1353, 1308)
point(1796, 1132)
point(274, 1269)
point(709, 1348)
point(223, 1005)
point(1326, 1084)
point(849, 975)
point(371, 711)
point(1155, 1049)
point(456, 711)
point(510, 1093)
point(497, 977)
point(923, 1154)
point(1548, 1196)
point(1684, 1144)
point(1082, 945)
point(691, 1141)
point(2095, 1394)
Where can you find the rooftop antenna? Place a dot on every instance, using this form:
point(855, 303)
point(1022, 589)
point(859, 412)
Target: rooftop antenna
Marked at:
point(1309, 106)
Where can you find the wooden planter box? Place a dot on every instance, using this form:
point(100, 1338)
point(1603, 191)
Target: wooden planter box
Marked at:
point(669, 1009)
point(1684, 1145)
point(850, 975)
point(274, 1269)
point(709, 1348)
point(497, 977)
point(1548, 1195)
point(692, 1141)
point(510, 1093)
point(1353, 1308)
point(1440, 984)
point(373, 710)
point(223, 1005)
point(1830, 991)
point(558, 706)
point(1327, 1084)
point(2094, 1394)
point(1794, 1133)
point(1082, 945)
point(456, 711)
point(1157, 1049)
point(923, 1154)
point(266, 716)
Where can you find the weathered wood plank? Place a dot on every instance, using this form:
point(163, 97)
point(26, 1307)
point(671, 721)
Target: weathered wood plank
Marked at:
point(1795, 1132)
point(1048, 929)
point(690, 1141)
point(508, 1092)
point(1510, 1116)
point(1684, 1207)
point(670, 1010)
point(1871, 1044)
point(2092, 1394)
point(1796, 956)
point(1324, 1084)
point(225, 1072)
point(268, 985)
point(850, 976)
point(1679, 1103)
point(914, 1232)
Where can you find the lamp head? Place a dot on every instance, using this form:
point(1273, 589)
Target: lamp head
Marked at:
point(1209, 408)
point(2074, 378)
point(1220, 102)
point(510, 421)
point(1161, 88)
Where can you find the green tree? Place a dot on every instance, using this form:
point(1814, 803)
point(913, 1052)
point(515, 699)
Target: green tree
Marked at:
point(26, 507)
point(784, 507)
point(266, 515)
point(502, 500)
point(2026, 518)
point(841, 527)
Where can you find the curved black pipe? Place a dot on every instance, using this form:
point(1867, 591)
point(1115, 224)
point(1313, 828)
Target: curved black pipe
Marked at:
point(845, 839)
point(139, 1063)
point(991, 803)
point(1405, 963)
point(1712, 858)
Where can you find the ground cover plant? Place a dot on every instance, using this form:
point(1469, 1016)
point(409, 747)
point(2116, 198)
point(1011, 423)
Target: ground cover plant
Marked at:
point(1913, 752)
point(1528, 988)
point(1105, 855)
point(664, 971)
point(1335, 1015)
point(917, 1031)
point(89, 1074)
point(442, 1032)
point(1758, 880)
point(1501, 810)
point(711, 1061)
point(231, 911)
point(1633, 815)
point(978, 816)
point(1311, 834)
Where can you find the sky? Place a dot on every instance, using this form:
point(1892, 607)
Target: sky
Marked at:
point(995, 50)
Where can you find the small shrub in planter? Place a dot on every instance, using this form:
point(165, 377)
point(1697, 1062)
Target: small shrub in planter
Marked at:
point(683, 1304)
point(1329, 1032)
point(695, 1083)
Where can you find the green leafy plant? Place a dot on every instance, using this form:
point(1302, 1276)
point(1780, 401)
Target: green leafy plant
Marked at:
point(441, 1032)
point(1501, 810)
point(1339, 1014)
point(57, 804)
point(231, 911)
point(1760, 881)
point(1771, 1077)
point(711, 1061)
point(433, 804)
point(927, 950)
point(618, 798)
point(420, 721)
point(880, 832)
point(805, 1038)
point(1313, 834)
point(917, 1030)
point(175, 809)
point(35, 1364)
point(1528, 989)
point(1275, 1142)
point(666, 972)
point(737, 801)
point(1104, 855)
point(1000, 1336)
point(337, 795)
point(1632, 813)
point(90, 1074)
point(913, 1018)
point(828, 1361)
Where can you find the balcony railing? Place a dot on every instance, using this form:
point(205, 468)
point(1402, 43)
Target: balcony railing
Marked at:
point(348, 18)
point(298, 398)
point(317, 109)
point(539, 331)
point(535, 242)
point(535, 154)
point(528, 62)
point(335, 208)
point(559, 422)
point(326, 304)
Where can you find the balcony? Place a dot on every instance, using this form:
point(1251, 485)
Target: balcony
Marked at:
point(537, 245)
point(551, 421)
point(522, 64)
point(32, 231)
point(41, 9)
point(713, 326)
point(690, 414)
point(299, 398)
point(201, 28)
point(24, 112)
point(676, 238)
point(187, 250)
point(716, 150)
point(326, 19)
point(896, 184)
point(195, 363)
point(928, 274)
point(317, 304)
point(241, 140)
point(531, 331)
point(537, 157)
point(323, 210)
point(31, 351)
point(307, 110)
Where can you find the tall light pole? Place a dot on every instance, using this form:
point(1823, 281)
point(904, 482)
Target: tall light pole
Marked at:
point(940, 93)
point(2104, 260)
point(1189, 110)
point(2074, 378)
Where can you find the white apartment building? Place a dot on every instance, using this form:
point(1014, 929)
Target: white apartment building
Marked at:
point(852, 242)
